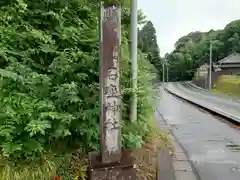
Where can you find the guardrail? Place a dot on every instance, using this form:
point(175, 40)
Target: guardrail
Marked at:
point(233, 118)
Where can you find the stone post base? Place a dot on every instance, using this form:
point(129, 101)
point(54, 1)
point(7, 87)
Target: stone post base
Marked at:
point(124, 170)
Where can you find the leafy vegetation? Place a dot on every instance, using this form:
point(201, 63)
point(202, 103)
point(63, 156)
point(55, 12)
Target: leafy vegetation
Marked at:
point(48, 74)
point(44, 169)
point(49, 81)
point(192, 50)
point(147, 42)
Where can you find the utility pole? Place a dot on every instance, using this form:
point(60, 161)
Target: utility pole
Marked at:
point(163, 73)
point(167, 72)
point(210, 67)
point(134, 36)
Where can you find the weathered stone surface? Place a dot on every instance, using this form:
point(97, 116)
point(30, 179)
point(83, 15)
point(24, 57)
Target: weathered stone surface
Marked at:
point(109, 81)
point(124, 170)
point(112, 163)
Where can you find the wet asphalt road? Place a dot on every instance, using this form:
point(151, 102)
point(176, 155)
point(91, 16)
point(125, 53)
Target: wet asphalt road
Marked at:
point(212, 145)
point(212, 94)
point(224, 104)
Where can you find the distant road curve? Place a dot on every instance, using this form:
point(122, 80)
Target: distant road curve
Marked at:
point(225, 107)
point(190, 84)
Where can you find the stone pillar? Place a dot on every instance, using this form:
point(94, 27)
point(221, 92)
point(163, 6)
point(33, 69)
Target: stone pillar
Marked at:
point(112, 163)
point(109, 83)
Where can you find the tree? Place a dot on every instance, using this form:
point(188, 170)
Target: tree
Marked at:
point(147, 42)
point(192, 50)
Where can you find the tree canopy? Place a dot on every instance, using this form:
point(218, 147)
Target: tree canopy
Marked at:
point(192, 50)
point(147, 42)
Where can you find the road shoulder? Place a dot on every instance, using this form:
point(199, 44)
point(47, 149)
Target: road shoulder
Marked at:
point(180, 163)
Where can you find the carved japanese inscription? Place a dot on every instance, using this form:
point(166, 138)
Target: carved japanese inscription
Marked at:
point(110, 87)
point(112, 163)
point(112, 103)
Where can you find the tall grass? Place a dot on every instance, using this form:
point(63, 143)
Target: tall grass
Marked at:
point(44, 169)
point(228, 85)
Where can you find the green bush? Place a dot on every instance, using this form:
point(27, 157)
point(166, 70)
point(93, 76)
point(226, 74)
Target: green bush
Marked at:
point(49, 78)
point(134, 133)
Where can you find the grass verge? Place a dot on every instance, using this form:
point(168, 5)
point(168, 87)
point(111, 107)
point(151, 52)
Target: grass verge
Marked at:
point(73, 166)
point(228, 85)
point(143, 137)
point(45, 168)
point(146, 158)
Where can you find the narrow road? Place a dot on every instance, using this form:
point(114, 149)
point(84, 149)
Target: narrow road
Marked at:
point(212, 144)
point(212, 94)
point(216, 100)
point(224, 106)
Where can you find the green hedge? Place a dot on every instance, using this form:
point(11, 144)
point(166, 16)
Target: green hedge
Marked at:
point(49, 59)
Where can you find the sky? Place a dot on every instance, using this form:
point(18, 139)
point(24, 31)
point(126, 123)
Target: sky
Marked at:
point(176, 18)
